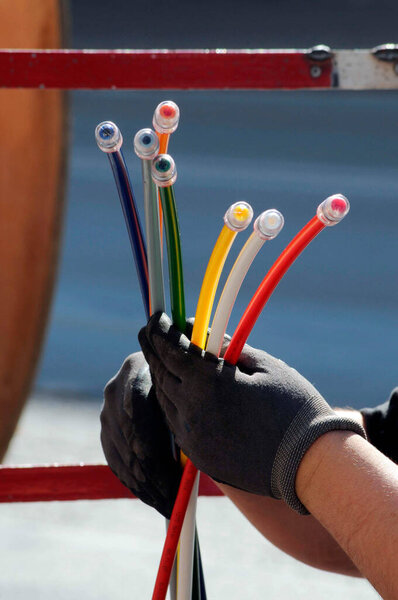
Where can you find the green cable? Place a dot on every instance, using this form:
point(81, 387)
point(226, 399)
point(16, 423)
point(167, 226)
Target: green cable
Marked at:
point(176, 277)
point(164, 173)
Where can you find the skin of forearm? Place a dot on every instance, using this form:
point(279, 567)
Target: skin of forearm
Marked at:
point(352, 489)
point(302, 537)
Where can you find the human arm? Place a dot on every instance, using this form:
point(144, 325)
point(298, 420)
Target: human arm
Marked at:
point(303, 538)
point(137, 447)
point(253, 426)
point(247, 425)
point(352, 490)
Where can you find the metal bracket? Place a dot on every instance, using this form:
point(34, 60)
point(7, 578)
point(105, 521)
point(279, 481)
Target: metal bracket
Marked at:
point(318, 54)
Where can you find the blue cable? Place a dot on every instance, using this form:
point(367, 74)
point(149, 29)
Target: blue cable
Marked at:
point(109, 140)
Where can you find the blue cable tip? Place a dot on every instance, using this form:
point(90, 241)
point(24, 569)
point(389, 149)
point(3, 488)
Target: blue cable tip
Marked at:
point(106, 132)
point(108, 136)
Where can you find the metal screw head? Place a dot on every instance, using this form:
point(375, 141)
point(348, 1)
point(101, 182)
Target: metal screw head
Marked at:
point(315, 71)
point(319, 52)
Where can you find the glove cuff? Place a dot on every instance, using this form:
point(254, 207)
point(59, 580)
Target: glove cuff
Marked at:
point(313, 420)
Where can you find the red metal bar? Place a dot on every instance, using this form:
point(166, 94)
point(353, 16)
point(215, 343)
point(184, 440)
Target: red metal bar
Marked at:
point(162, 69)
point(70, 482)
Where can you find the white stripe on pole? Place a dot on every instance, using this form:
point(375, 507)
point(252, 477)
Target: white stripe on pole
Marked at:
point(360, 70)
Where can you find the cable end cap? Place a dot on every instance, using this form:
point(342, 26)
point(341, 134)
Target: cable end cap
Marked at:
point(238, 216)
point(166, 117)
point(164, 171)
point(332, 210)
point(268, 224)
point(146, 144)
point(108, 136)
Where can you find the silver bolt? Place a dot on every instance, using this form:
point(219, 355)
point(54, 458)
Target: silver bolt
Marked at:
point(315, 71)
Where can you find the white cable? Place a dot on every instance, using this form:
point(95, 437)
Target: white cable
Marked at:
point(266, 227)
point(187, 540)
point(236, 219)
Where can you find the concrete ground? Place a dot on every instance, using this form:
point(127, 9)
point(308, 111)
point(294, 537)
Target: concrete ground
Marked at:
point(110, 549)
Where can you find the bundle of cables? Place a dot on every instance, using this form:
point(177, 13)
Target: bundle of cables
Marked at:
point(184, 576)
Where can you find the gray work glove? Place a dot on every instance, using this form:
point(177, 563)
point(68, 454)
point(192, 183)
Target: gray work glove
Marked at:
point(381, 424)
point(135, 437)
point(247, 425)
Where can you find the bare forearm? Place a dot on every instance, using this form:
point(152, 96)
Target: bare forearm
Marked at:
point(352, 489)
point(304, 538)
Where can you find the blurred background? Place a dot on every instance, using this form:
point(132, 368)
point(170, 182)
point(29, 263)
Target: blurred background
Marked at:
point(333, 317)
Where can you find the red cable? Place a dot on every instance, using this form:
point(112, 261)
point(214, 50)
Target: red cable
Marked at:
point(174, 531)
point(267, 286)
point(250, 316)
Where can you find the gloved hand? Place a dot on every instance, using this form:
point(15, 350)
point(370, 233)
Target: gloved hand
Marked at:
point(247, 425)
point(135, 437)
point(381, 424)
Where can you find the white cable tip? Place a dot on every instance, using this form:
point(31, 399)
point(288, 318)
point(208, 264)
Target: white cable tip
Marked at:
point(332, 210)
point(269, 224)
point(166, 117)
point(164, 171)
point(146, 144)
point(108, 136)
point(238, 216)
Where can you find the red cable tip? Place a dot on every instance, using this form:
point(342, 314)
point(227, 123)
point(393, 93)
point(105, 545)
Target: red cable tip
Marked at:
point(332, 210)
point(339, 205)
point(167, 111)
point(166, 117)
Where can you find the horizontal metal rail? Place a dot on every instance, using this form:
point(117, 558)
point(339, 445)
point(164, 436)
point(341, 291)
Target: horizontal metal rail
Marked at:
point(316, 68)
point(47, 483)
point(162, 69)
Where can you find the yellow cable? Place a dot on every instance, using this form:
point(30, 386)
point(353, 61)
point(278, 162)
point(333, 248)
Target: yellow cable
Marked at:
point(237, 218)
point(209, 286)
